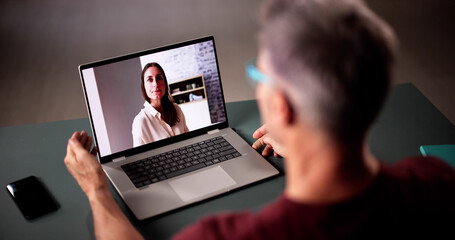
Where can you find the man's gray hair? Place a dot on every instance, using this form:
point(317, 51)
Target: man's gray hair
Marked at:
point(334, 60)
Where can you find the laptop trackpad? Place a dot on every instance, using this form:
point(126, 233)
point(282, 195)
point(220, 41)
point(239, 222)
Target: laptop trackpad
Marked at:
point(202, 183)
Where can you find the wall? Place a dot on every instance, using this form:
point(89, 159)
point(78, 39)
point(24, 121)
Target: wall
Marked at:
point(43, 42)
point(190, 61)
point(121, 98)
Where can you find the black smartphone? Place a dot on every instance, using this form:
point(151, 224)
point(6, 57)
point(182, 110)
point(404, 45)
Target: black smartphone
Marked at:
point(32, 197)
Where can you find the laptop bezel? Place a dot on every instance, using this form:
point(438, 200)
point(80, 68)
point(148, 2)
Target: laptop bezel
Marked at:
point(164, 142)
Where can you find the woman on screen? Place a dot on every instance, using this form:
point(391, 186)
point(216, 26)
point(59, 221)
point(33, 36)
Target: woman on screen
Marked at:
point(161, 117)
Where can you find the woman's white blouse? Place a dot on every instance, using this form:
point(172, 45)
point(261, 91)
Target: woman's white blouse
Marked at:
point(149, 127)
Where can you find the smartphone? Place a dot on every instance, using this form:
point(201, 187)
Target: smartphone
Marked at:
point(31, 197)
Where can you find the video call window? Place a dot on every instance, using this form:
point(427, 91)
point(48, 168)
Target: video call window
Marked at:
point(116, 98)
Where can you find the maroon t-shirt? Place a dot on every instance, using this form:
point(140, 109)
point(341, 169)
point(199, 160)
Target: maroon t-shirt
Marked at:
point(413, 198)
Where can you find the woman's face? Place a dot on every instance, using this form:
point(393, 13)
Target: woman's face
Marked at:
point(154, 83)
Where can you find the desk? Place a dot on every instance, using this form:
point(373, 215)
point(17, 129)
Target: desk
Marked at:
point(408, 121)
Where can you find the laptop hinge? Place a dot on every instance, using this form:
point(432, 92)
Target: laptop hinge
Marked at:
point(119, 159)
point(213, 131)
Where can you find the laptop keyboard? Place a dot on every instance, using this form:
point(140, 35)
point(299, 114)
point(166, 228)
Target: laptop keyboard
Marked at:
point(180, 161)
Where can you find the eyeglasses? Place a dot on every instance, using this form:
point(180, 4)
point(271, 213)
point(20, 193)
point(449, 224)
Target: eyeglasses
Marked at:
point(255, 75)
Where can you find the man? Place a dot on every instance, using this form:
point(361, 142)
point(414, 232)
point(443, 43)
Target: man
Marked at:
point(324, 74)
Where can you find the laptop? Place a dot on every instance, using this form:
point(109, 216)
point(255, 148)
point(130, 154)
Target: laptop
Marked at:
point(179, 167)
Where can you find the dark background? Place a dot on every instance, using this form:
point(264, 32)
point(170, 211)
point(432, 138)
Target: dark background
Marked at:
point(43, 42)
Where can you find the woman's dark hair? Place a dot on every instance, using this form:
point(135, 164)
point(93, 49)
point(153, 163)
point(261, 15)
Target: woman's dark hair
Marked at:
point(167, 102)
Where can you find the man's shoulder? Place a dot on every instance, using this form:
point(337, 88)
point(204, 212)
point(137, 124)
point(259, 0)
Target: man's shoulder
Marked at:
point(427, 183)
point(219, 226)
point(424, 168)
point(422, 193)
point(240, 225)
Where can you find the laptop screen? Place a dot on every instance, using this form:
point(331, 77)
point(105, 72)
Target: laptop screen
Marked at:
point(153, 95)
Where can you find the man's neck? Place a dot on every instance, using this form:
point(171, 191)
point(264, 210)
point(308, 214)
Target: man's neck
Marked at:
point(323, 172)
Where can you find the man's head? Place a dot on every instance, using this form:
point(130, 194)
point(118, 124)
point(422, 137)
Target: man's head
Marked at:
point(331, 60)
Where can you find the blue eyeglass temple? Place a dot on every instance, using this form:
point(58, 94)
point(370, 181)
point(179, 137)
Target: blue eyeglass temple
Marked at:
point(255, 74)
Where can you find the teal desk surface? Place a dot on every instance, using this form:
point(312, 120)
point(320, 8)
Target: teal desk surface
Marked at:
point(408, 121)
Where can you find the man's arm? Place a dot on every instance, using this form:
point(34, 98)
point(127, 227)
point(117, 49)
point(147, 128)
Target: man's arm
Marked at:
point(109, 220)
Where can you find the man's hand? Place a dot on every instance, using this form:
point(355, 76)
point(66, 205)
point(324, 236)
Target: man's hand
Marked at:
point(109, 220)
point(270, 145)
point(83, 165)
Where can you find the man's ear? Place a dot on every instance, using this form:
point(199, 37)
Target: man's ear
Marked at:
point(284, 111)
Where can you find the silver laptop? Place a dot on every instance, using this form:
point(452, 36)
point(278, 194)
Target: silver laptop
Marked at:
point(156, 176)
